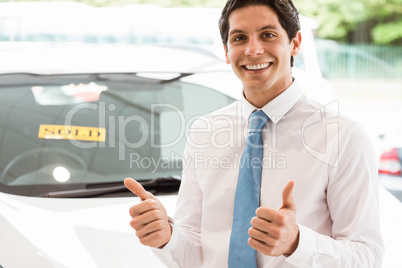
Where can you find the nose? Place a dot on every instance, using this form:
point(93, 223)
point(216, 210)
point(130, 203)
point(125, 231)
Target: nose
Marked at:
point(254, 47)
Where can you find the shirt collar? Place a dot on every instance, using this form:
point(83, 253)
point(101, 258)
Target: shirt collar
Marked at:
point(276, 108)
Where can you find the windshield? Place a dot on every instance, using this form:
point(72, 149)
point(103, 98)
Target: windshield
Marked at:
point(73, 130)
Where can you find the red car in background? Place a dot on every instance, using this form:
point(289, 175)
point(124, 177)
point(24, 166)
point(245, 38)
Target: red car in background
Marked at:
point(390, 171)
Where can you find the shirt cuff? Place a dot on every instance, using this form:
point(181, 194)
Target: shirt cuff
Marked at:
point(305, 249)
point(172, 242)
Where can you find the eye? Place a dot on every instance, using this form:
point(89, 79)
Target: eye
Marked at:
point(267, 35)
point(239, 38)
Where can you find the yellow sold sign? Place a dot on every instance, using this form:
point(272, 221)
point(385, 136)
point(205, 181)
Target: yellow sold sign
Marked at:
point(61, 132)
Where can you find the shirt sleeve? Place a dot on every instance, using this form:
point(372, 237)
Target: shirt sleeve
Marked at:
point(353, 202)
point(184, 248)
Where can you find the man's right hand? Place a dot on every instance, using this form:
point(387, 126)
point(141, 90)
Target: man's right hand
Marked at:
point(149, 218)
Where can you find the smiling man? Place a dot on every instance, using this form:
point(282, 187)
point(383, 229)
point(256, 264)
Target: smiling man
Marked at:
point(317, 208)
point(260, 52)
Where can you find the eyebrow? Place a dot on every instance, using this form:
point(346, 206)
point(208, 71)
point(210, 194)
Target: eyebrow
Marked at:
point(267, 27)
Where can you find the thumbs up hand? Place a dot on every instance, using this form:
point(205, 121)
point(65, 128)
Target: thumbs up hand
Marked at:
point(149, 218)
point(275, 232)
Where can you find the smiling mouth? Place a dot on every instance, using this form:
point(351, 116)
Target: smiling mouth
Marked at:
point(257, 67)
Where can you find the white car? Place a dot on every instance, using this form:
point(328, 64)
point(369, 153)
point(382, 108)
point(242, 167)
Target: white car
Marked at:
point(69, 137)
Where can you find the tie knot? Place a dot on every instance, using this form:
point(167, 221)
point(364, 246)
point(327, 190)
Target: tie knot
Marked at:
point(257, 121)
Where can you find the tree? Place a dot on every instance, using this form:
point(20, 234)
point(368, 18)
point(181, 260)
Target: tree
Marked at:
point(343, 20)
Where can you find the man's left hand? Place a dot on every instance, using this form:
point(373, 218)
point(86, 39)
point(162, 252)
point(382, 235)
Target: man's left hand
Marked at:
point(275, 232)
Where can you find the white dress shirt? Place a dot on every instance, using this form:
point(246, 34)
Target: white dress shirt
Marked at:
point(328, 156)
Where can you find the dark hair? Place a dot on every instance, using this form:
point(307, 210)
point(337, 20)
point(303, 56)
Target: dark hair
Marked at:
point(287, 14)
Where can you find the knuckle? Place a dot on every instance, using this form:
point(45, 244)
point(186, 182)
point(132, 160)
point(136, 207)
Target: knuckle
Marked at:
point(281, 219)
point(149, 203)
point(254, 221)
point(153, 203)
point(137, 209)
point(156, 214)
point(259, 211)
point(139, 235)
point(276, 232)
point(134, 223)
point(159, 224)
point(132, 211)
point(250, 231)
point(143, 241)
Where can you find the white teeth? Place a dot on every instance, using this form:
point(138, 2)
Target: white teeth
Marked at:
point(257, 67)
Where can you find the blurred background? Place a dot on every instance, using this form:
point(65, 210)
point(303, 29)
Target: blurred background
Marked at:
point(354, 46)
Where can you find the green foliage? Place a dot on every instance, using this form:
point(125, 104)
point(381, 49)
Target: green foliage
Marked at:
point(340, 19)
point(387, 33)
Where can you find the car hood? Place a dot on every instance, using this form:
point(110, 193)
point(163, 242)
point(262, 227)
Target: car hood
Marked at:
point(95, 232)
point(44, 232)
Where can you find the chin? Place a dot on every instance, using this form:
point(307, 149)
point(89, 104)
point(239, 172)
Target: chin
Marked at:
point(257, 88)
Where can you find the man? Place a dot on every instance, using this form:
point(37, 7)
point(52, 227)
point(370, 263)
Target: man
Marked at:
point(318, 200)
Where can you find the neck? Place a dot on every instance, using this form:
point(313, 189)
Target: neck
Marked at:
point(261, 98)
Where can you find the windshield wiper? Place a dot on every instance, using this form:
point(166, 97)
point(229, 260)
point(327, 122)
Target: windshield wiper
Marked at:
point(159, 185)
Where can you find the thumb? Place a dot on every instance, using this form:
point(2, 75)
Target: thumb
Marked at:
point(137, 189)
point(287, 197)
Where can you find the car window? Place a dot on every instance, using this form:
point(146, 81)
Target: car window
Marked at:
point(71, 129)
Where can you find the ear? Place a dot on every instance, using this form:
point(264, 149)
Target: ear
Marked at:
point(226, 54)
point(296, 43)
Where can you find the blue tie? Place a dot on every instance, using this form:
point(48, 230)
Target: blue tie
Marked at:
point(247, 198)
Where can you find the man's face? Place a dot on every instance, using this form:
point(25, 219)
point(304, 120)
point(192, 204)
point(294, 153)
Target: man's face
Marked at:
point(259, 51)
